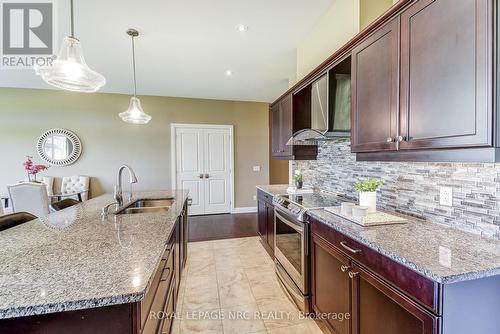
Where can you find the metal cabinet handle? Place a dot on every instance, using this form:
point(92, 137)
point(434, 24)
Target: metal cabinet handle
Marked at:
point(207, 176)
point(189, 201)
point(201, 176)
point(352, 250)
point(165, 274)
point(389, 140)
point(353, 274)
point(344, 268)
point(401, 138)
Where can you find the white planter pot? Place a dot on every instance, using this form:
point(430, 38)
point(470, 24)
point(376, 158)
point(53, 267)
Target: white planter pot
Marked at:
point(368, 199)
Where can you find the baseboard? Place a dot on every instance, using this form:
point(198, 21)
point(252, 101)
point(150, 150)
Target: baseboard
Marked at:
point(249, 209)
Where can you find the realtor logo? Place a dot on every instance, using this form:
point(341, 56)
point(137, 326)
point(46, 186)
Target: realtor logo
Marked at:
point(28, 33)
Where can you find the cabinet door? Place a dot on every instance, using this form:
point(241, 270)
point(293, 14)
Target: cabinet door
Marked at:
point(375, 91)
point(270, 226)
point(446, 74)
point(379, 308)
point(331, 287)
point(275, 129)
point(262, 219)
point(286, 123)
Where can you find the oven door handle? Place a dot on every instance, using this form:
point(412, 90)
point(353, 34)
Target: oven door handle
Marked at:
point(297, 228)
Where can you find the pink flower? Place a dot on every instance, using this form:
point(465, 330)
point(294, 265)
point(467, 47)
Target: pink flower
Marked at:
point(33, 169)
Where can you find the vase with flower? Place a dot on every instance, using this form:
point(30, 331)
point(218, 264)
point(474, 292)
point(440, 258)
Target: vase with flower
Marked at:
point(32, 170)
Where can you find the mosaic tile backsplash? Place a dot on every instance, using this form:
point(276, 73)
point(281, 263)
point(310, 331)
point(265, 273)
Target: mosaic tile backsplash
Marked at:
point(413, 187)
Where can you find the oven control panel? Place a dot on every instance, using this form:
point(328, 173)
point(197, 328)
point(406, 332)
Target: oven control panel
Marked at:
point(288, 206)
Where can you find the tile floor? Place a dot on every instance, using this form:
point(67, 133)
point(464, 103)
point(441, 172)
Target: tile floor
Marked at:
point(229, 287)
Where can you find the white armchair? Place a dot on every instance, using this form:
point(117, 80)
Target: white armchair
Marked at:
point(49, 182)
point(74, 184)
point(29, 197)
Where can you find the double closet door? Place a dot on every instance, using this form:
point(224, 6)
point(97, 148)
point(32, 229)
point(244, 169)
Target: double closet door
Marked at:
point(203, 166)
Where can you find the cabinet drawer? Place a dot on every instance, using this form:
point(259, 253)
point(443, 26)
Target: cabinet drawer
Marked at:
point(420, 288)
point(265, 197)
point(169, 311)
point(146, 303)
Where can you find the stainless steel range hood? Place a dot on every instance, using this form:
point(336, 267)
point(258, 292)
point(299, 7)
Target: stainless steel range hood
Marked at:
point(330, 108)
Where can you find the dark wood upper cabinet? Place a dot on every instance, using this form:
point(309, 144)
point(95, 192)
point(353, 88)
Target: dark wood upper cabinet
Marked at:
point(286, 125)
point(375, 90)
point(424, 83)
point(285, 121)
point(446, 74)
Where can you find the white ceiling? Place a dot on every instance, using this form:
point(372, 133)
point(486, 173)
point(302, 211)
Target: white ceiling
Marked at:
point(186, 46)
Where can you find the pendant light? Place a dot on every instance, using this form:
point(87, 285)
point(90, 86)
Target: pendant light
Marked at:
point(69, 70)
point(134, 114)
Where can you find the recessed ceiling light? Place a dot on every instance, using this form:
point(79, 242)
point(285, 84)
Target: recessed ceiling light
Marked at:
point(241, 28)
point(228, 73)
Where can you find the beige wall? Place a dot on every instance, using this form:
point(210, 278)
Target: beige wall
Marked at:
point(337, 26)
point(108, 142)
point(369, 10)
point(343, 20)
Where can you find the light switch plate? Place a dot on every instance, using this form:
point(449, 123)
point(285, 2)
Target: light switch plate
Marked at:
point(446, 196)
point(256, 168)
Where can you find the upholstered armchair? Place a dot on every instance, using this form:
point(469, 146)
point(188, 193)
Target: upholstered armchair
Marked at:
point(49, 182)
point(29, 197)
point(74, 184)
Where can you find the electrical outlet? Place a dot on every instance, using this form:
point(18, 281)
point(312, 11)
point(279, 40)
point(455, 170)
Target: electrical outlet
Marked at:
point(254, 197)
point(256, 168)
point(446, 196)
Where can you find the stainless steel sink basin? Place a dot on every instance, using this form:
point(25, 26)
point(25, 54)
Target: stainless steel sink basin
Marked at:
point(147, 206)
point(128, 211)
point(152, 203)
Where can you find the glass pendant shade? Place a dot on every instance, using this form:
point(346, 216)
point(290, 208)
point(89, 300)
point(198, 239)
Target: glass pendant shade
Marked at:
point(134, 114)
point(69, 70)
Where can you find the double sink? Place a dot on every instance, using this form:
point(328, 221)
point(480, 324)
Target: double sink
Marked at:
point(147, 206)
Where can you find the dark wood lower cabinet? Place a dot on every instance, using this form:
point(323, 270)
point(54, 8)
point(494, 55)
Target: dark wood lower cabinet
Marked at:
point(381, 308)
point(353, 299)
point(331, 287)
point(265, 216)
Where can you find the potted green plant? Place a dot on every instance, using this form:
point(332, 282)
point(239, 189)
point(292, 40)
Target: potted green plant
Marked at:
point(368, 192)
point(298, 179)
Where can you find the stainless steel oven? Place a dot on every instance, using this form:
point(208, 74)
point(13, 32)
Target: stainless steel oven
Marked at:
point(291, 249)
point(292, 237)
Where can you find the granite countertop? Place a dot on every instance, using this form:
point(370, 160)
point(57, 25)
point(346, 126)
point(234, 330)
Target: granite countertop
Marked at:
point(72, 259)
point(274, 189)
point(443, 254)
point(281, 189)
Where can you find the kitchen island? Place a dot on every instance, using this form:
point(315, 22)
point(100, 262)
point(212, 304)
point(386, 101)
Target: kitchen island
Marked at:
point(75, 271)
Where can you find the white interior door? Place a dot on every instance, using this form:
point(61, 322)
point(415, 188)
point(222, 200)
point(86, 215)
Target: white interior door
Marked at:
point(189, 166)
point(203, 166)
point(217, 171)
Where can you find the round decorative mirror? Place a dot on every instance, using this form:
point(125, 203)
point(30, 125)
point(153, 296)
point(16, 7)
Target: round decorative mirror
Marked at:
point(59, 147)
